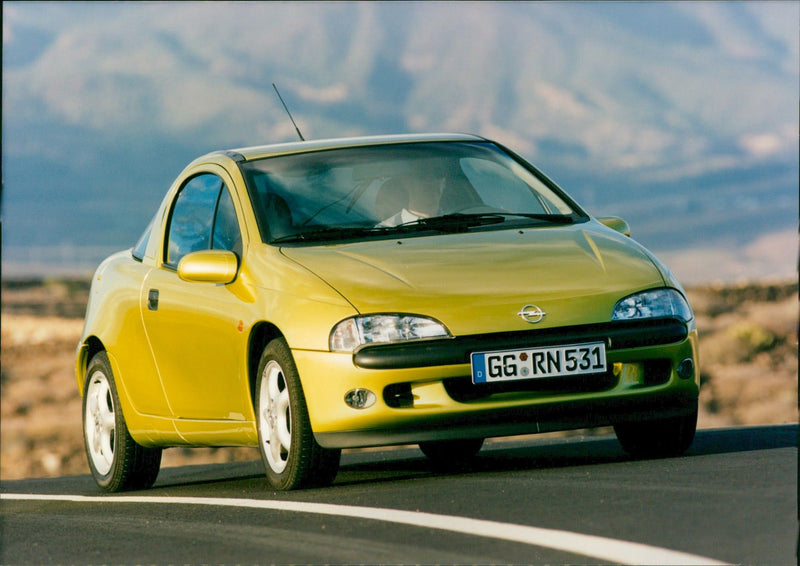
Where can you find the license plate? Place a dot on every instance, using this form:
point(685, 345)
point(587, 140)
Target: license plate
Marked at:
point(536, 363)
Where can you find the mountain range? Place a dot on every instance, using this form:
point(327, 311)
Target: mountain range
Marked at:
point(680, 117)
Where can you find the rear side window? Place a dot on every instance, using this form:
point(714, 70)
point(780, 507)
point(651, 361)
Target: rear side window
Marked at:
point(202, 218)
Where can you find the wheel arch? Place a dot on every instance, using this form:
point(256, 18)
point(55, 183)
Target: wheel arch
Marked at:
point(90, 347)
point(262, 334)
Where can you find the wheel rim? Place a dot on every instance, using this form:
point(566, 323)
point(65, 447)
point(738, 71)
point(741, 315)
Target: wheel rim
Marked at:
point(100, 425)
point(275, 417)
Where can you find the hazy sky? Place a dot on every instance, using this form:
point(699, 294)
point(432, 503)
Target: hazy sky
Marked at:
point(104, 103)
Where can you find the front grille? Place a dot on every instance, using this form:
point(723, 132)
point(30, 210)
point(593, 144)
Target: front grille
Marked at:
point(462, 389)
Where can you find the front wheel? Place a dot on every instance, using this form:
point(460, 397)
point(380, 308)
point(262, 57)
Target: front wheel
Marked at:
point(658, 438)
point(291, 455)
point(117, 462)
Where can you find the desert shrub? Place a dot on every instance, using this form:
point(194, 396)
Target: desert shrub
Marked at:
point(752, 340)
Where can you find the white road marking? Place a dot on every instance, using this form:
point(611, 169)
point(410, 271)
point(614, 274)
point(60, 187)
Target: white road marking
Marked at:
point(611, 550)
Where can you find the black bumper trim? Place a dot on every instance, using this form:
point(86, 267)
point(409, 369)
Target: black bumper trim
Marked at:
point(453, 351)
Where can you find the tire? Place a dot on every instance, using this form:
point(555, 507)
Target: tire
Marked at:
point(659, 438)
point(292, 458)
point(451, 453)
point(117, 462)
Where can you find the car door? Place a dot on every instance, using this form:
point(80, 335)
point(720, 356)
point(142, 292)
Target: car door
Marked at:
point(196, 329)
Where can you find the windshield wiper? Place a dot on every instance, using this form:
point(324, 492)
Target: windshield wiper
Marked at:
point(454, 222)
point(330, 233)
point(552, 218)
point(459, 221)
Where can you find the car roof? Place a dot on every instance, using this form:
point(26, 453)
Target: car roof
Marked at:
point(258, 152)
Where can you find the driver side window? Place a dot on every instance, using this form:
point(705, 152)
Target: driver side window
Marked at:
point(202, 218)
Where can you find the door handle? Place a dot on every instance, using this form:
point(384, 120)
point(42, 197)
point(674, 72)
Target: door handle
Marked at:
point(152, 300)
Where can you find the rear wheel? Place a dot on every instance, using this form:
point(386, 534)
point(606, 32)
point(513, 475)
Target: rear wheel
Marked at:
point(451, 453)
point(292, 458)
point(117, 462)
point(659, 438)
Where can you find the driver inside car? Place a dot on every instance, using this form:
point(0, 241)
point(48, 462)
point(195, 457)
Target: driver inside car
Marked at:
point(406, 199)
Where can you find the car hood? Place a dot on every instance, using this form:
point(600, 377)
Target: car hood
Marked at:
point(477, 282)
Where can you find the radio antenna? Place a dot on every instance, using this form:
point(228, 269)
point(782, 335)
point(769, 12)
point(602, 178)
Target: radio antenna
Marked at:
point(289, 113)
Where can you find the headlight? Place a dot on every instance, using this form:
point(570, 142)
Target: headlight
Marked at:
point(380, 328)
point(657, 303)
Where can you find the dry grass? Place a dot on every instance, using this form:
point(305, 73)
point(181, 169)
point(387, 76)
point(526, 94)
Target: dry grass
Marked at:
point(40, 431)
point(748, 361)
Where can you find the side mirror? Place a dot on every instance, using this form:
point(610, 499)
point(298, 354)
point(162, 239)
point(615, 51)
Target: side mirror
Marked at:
point(209, 266)
point(616, 224)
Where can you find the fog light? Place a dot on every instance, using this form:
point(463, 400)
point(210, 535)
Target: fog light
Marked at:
point(360, 398)
point(685, 369)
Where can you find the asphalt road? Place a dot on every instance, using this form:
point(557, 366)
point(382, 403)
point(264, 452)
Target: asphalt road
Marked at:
point(731, 498)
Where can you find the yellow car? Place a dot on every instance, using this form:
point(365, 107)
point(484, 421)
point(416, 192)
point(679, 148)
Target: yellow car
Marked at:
point(431, 289)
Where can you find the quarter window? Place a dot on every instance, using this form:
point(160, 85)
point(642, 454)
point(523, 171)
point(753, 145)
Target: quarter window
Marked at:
point(202, 218)
point(141, 246)
point(226, 235)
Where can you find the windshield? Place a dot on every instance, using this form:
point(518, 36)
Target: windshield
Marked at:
point(413, 188)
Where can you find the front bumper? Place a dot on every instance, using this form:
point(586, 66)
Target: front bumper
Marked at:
point(434, 399)
point(551, 417)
